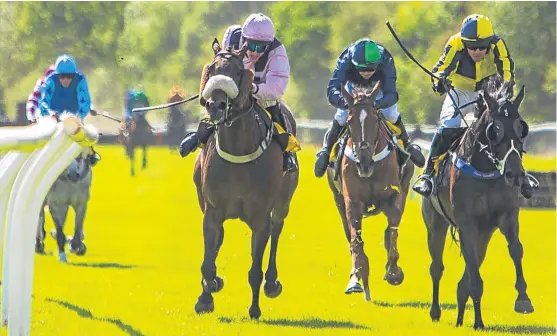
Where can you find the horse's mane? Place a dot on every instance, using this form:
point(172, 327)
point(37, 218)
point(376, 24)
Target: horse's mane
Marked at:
point(498, 89)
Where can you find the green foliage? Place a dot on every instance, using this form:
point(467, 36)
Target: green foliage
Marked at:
point(154, 46)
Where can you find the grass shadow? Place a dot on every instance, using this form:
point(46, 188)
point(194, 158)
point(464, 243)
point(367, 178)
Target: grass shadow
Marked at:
point(522, 329)
point(310, 323)
point(419, 305)
point(86, 313)
point(101, 265)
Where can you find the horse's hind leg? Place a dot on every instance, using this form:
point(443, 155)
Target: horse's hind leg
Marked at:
point(210, 282)
point(59, 214)
point(41, 233)
point(130, 151)
point(437, 227)
point(260, 236)
point(144, 163)
point(509, 228)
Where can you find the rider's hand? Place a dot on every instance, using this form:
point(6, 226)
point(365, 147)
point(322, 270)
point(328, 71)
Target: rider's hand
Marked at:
point(93, 112)
point(254, 88)
point(442, 84)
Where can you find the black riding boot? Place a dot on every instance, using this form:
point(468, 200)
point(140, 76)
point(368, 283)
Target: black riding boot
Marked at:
point(416, 155)
point(322, 161)
point(94, 157)
point(193, 139)
point(439, 144)
point(288, 161)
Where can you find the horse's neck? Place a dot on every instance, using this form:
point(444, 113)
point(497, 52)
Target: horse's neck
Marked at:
point(243, 137)
point(470, 149)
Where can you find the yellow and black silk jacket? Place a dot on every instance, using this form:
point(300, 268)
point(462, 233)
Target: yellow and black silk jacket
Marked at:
point(465, 74)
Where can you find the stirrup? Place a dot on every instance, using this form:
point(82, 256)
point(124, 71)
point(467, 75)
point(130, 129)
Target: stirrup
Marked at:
point(425, 178)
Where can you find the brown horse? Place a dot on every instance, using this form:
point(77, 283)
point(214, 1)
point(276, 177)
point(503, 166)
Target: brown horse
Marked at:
point(136, 132)
point(371, 178)
point(176, 121)
point(480, 196)
point(238, 174)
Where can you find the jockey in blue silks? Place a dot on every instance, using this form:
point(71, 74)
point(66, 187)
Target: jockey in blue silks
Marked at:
point(66, 90)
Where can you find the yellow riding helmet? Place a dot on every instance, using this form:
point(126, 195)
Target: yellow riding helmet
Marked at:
point(476, 31)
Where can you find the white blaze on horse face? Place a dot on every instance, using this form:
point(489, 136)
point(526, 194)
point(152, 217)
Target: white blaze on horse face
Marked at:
point(363, 116)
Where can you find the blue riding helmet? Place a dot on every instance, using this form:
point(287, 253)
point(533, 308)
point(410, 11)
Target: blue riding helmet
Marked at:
point(65, 65)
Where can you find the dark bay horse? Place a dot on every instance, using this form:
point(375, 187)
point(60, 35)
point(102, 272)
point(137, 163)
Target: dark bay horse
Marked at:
point(71, 189)
point(136, 132)
point(176, 121)
point(238, 174)
point(372, 177)
point(479, 197)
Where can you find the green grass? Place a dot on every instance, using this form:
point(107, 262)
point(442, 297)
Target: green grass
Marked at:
point(141, 274)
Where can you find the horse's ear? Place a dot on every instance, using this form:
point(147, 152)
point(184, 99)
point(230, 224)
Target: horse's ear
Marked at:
point(216, 46)
point(243, 51)
point(347, 96)
point(519, 98)
point(376, 89)
point(490, 101)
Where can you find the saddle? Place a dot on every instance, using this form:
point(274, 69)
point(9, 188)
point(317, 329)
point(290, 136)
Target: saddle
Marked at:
point(392, 131)
point(285, 138)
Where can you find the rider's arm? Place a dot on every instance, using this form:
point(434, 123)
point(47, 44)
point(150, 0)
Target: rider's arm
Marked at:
point(83, 98)
point(277, 76)
point(334, 93)
point(46, 97)
point(390, 94)
point(503, 60)
point(32, 106)
point(448, 62)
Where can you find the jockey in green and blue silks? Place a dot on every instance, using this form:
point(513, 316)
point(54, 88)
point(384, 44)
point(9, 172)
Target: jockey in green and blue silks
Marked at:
point(65, 90)
point(134, 99)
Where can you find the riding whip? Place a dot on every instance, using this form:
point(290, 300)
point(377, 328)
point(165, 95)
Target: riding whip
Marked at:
point(448, 87)
point(159, 107)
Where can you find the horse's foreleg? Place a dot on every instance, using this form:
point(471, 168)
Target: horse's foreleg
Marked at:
point(471, 284)
point(394, 274)
point(144, 163)
point(360, 262)
point(273, 287)
point(509, 228)
point(41, 233)
point(76, 245)
point(59, 214)
point(212, 228)
point(437, 227)
point(260, 229)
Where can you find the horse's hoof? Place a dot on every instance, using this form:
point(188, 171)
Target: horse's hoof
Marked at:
point(353, 287)
point(39, 247)
point(204, 308)
point(272, 289)
point(63, 258)
point(214, 286)
point(254, 312)
point(523, 306)
point(435, 313)
point(479, 325)
point(395, 278)
point(79, 250)
point(367, 295)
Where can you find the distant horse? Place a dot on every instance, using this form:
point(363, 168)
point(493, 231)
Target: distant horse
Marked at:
point(176, 121)
point(369, 177)
point(480, 196)
point(71, 189)
point(238, 174)
point(136, 132)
